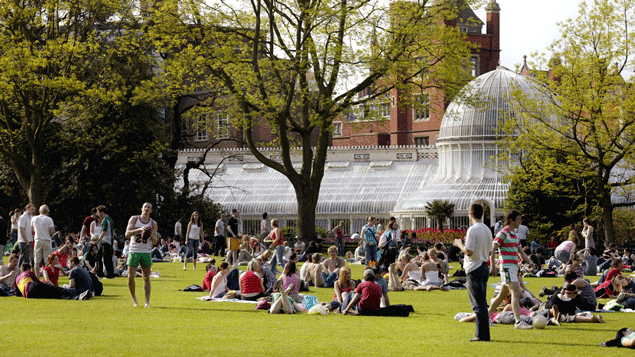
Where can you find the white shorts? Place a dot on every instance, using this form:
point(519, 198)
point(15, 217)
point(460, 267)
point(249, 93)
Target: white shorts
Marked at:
point(509, 274)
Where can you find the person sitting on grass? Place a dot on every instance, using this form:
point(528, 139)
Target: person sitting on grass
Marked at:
point(315, 271)
point(344, 286)
point(367, 297)
point(331, 267)
point(431, 270)
point(79, 279)
point(218, 288)
point(282, 302)
point(28, 285)
point(359, 251)
point(209, 276)
point(51, 271)
point(289, 277)
point(409, 270)
point(251, 285)
point(268, 272)
point(383, 284)
point(89, 261)
point(568, 302)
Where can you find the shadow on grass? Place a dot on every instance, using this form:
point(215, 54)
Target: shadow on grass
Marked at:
point(571, 344)
point(200, 309)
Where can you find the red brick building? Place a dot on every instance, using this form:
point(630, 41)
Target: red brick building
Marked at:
point(402, 124)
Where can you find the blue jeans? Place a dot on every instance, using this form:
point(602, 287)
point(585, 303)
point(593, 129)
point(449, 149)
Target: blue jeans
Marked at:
point(192, 248)
point(339, 243)
point(562, 255)
point(329, 280)
point(26, 253)
point(477, 290)
point(233, 279)
point(347, 300)
point(277, 258)
point(371, 252)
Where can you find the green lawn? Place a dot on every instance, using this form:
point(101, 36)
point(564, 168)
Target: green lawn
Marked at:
point(179, 324)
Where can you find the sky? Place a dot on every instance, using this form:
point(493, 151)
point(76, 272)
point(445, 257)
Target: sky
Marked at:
point(529, 26)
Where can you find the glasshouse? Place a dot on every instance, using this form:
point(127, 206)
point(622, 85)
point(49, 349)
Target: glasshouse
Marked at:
point(463, 168)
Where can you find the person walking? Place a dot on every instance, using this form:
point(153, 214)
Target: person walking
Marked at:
point(44, 228)
point(338, 231)
point(142, 231)
point(587, 233)
point(193, 238)
point(509, 249)
point(477, 249)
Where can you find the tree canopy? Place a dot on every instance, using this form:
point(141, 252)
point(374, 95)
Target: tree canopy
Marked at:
point(587, 112)
point(298, 65)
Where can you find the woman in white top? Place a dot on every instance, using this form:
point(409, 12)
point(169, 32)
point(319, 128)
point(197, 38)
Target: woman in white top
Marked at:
point(430, 270)
point(219, 283)
point(193, 238)
point(587, 233)
point(95, 230)
point(15, 216)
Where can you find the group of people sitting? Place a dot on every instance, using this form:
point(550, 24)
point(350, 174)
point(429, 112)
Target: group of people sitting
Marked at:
point(25, 280)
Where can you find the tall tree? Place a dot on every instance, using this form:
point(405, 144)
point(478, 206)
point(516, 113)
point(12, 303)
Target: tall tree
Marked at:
point(587, 109)
point(298, 65)
point(46, 49)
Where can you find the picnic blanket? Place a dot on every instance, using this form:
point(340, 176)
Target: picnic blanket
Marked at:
point(207, 298)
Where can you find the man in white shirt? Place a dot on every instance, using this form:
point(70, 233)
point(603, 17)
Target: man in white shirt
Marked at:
point(477, 250)
point(178, 230)
point(219, 236)
point(522, 233)
point(44, 228)
point(25, 235)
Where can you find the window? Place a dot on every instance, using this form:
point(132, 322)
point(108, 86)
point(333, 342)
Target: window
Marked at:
point(384, 110)
point(421, 107)
point(201, 127)
point(475, 66)
point(422, 141)
point(337, 129)
point(222, 130)
point(463, 29)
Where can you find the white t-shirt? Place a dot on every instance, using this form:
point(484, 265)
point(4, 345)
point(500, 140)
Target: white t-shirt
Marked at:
point(178, 229)
point(42, 225)
point(478, 240)
point(25, 222)
point(522, 232)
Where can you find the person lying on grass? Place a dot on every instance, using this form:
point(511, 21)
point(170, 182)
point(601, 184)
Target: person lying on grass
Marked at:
point(506, 316)
point(28, 285)
point(625, 338)
point(568, 302)
point(282, 302)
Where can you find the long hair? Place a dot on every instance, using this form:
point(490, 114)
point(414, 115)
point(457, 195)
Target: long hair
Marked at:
point(198, 222)
point(289, 269)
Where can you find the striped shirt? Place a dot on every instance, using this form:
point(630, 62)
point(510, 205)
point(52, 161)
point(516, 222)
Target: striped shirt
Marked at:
point(507, 248)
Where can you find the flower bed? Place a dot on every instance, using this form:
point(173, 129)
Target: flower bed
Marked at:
point(424, 235)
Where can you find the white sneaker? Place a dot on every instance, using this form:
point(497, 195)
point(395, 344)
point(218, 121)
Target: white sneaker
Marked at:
point(522, 325)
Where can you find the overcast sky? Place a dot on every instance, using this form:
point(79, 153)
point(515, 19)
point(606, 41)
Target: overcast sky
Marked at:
point(530, 26)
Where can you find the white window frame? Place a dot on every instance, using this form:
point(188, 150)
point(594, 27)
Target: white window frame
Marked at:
point(475, 60)
point(421, 139)
point(222, 125)
point(337, 128)
point(421, 113)
point(201, 128)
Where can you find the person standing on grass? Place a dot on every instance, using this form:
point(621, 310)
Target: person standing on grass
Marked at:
point(232, 237)
point(219, 236)
point(369, 233)
point(44, 228)
point(25, 235)
point(477, 249)
point(105, 238)
point(339, 238)
point(178, 229)
point(142, 231)
point(509, 248)
point(193, 238)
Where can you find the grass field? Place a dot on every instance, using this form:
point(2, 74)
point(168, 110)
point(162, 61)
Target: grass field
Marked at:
point(179, 324)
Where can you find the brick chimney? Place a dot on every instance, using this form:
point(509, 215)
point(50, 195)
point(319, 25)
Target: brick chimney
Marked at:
point(493, 30)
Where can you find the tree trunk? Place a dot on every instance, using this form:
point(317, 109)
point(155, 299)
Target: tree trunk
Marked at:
point(607, 217)
point(35, 184)
point(306, 215)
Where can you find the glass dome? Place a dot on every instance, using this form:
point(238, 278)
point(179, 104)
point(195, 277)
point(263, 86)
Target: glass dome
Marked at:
point(469, 158)
point(476, 114)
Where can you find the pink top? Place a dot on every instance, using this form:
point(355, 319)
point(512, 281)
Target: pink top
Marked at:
point(567, 246)
point(293, 279)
